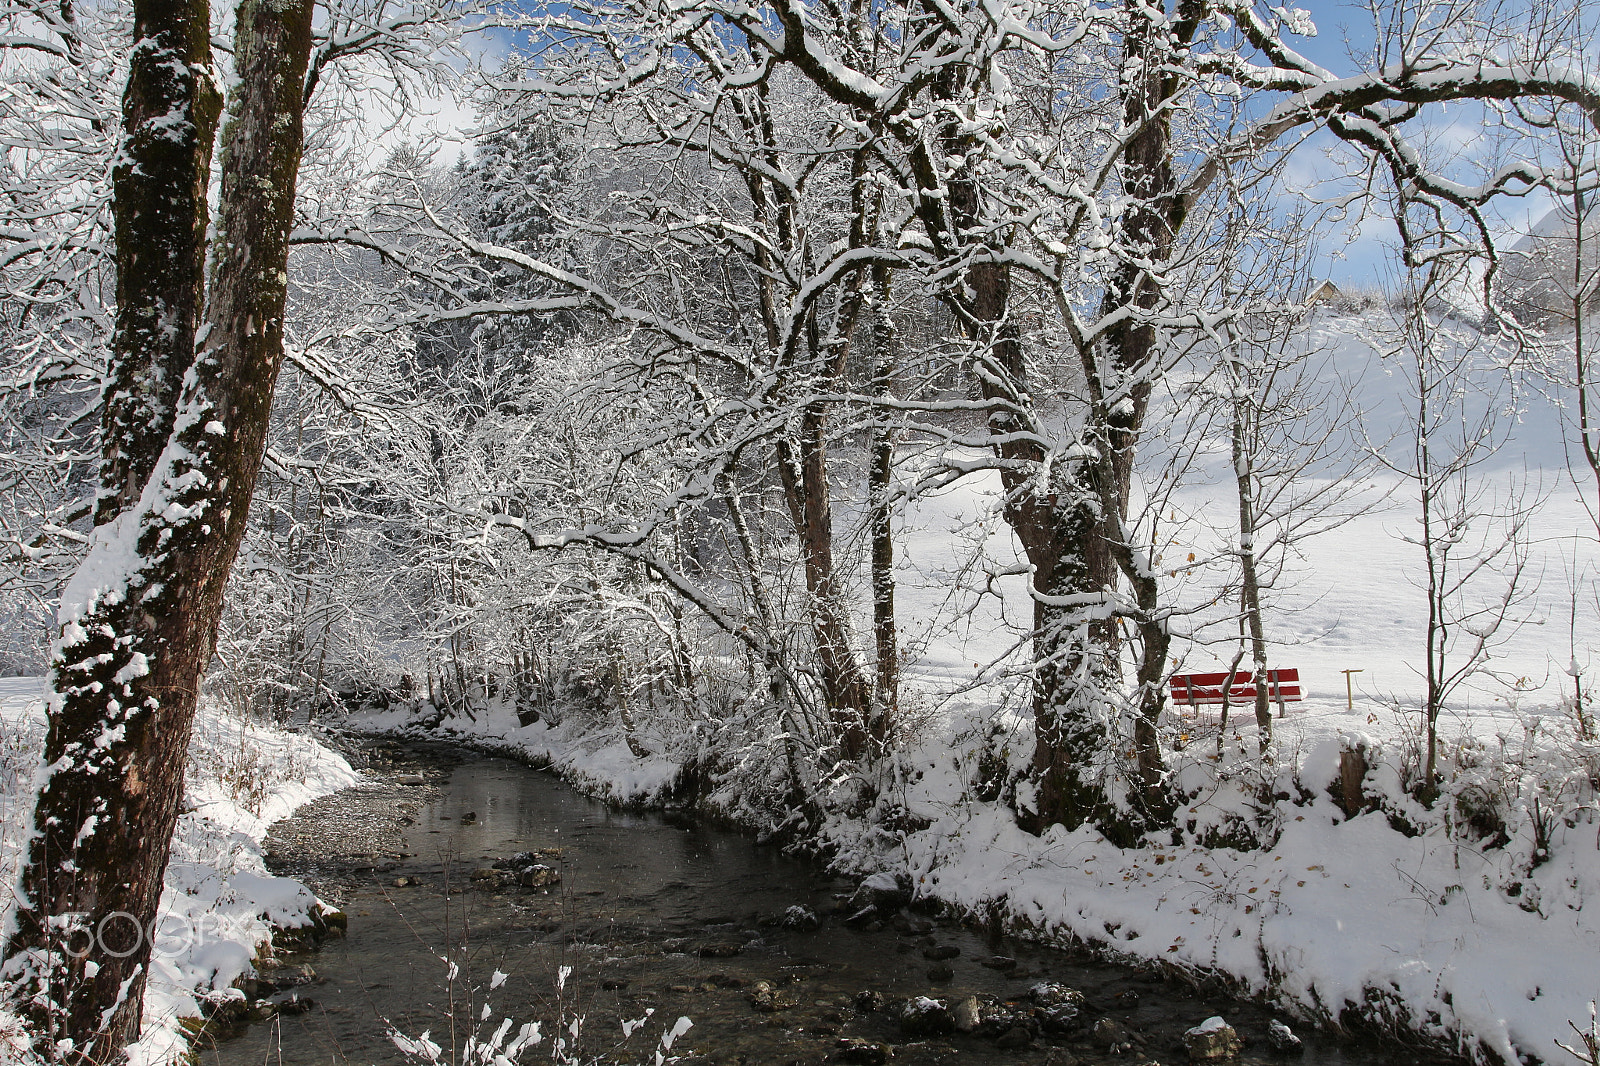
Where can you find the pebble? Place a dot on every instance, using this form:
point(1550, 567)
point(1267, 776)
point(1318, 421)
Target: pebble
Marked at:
point(768, 1000)
point(883, 890)
point(1281, 1038)
point(1052, 994)
point(966, 1014)
point(922, 1017)
point(912, 925)
point(1212, 1041)
point(860, 1052)
point(798, 917)
point(1113, 1036)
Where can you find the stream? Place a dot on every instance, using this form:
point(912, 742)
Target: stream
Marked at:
point(660, 913)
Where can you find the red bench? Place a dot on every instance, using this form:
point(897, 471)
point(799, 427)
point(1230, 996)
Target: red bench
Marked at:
point(1195, 690)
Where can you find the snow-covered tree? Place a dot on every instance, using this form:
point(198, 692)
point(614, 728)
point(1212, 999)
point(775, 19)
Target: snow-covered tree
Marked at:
point(1065, 158)
point(1473, 536)
point(186, 389)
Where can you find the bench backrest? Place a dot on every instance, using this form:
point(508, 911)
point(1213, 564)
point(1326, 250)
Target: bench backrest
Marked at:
point(1194, 689)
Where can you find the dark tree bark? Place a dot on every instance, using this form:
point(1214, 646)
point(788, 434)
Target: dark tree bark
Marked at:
point(139, 618)
point(159, 202)
point(1070, 529)
point(880, 480)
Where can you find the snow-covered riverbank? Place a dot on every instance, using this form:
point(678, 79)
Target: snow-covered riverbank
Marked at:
point(1402, 918)
point(220, 902)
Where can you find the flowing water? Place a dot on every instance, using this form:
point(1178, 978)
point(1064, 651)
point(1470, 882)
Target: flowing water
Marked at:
point(661, 916)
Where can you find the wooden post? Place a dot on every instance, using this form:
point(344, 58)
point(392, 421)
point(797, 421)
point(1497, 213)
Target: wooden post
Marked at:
point(1349, 690)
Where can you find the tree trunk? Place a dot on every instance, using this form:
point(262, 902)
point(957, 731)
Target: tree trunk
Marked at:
point(805, 480)
point(1074, 662)
point(880, 482)
point(1250, 583)
point(139, 618)
point(159, 202)
point(1118, 406)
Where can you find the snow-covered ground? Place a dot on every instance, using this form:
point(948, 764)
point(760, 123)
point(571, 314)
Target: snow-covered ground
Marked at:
point(220, 902)
point(1485, 948)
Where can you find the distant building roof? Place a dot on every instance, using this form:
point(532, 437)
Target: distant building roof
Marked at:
point(1326, 291)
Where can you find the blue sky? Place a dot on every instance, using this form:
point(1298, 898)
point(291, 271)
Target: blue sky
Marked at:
point(1362, 254)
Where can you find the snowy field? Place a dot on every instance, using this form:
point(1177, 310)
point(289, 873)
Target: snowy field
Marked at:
point(1352, 598)
point(220, 902)
point(1351, 602)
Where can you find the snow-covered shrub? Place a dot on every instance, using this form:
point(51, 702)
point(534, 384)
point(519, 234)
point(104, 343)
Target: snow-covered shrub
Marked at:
point(227, 751)
point(1229, 797)
point(992, 753)
point(1516, 797)
point(1586, 1048)
point(21, 741)
point(1519, 792)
